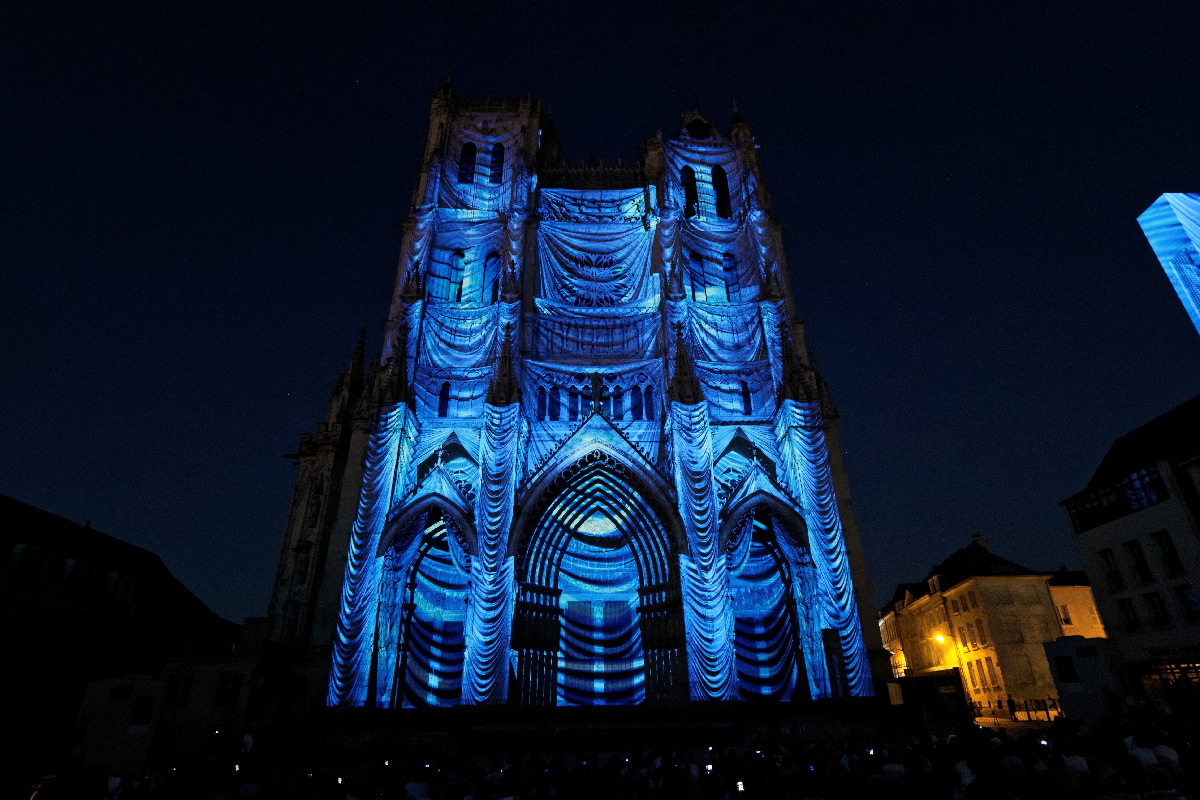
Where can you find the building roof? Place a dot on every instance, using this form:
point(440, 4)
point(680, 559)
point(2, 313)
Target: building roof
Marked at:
point(976, 561)
point(972, 561)
point(1171, 435)
point(1069, 577)
point(22, 523)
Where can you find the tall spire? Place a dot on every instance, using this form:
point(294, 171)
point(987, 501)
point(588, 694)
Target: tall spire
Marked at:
point(504, 390)
point(685, 387)
point(795, 375)
point(356, 361)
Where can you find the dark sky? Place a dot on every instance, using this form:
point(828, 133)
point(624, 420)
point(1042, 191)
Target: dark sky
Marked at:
point(198, 209)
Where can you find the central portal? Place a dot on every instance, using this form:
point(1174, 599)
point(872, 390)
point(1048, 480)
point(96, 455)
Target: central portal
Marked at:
point(598, 617)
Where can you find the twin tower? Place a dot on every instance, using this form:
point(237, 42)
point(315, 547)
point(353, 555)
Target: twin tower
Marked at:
point(593, 464)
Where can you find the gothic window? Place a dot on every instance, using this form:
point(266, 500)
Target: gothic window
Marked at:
point(729, 268)
point(721, 189)
point(747, 406)
point(497, 163)
point(444, 400)
point(491, 272)
point(458, 266)
point(541, 403)
point(555, 404)
point(635, 402)
point(691, 197)
point(618, 403)
point(572, 404)
point(466, 164)
point(648, 402)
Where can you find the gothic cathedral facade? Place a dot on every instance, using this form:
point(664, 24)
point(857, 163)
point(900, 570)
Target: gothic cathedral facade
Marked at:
point(593, 464)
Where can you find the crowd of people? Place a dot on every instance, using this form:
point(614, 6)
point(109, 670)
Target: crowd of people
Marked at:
point(1146, 752)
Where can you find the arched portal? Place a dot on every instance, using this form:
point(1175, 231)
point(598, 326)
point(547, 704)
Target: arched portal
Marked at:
point(421, 647)
point(770, 581)
point(598, 618)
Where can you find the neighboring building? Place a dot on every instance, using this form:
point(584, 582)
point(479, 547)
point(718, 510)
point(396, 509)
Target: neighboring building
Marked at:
point(1086, 674)
point(594, 463)
point(79, 606)
point(1172, 225)
point(988, 617)
point(1136, 531)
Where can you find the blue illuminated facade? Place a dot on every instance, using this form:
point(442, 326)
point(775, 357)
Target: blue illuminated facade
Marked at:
point(596, 467)
point(1172, 226)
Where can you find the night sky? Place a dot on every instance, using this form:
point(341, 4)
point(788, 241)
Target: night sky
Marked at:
point(198, 210)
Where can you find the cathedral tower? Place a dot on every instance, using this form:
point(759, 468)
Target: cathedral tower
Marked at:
point(594, 464)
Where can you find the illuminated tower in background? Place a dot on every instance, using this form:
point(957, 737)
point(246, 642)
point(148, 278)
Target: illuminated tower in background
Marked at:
point(594, 464)
point(1172, 226)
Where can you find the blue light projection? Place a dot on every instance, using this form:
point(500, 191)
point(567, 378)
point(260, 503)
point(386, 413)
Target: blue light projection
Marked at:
point(1172, 225)
point(599, 474)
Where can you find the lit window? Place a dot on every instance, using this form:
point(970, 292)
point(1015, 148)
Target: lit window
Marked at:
point(466, 163)
point(721, 189)
point(691, 197)
point(497, 164)
point(618, 403)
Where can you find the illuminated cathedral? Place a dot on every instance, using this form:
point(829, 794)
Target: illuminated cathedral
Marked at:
point(594, 464)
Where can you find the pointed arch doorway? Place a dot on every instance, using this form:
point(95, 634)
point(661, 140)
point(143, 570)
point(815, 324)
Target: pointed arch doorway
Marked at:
point(598, 618)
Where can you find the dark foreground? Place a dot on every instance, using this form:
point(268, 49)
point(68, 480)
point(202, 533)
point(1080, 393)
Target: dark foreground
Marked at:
point(837, 751)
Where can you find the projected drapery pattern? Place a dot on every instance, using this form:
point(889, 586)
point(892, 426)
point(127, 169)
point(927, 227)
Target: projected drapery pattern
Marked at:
point(799, 427)
point(390, 442)
point(586, 516)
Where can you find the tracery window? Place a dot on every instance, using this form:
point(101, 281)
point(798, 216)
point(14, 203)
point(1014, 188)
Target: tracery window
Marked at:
point(491, 272)
point(555, 404)
point(635, 402)
point(648, 402)
point(572, 404)
point(691, 197)
point(497, 163)
point(747, 406)
point(721, 190)
point(618, 403)
point(466, 163)
point(444, 400)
